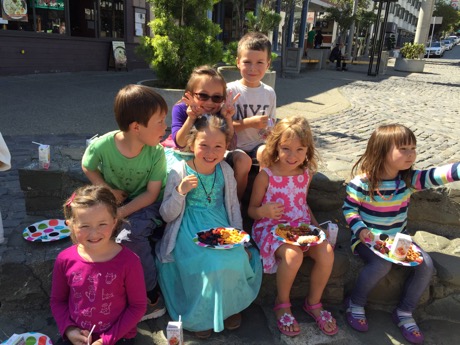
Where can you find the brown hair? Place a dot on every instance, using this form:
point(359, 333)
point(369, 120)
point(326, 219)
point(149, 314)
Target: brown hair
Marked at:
point(204, 122)
point(372, 162)
point(294, 127)
point(89, 196)
point(202, 72)
point(137, 103)
point(255, 41)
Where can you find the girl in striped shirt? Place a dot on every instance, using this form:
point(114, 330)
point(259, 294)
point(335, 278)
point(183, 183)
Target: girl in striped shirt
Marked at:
point(377, 203)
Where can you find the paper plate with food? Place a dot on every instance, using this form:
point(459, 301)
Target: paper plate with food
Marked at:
point(221, 238)
point(399, 250)
point(298, 234)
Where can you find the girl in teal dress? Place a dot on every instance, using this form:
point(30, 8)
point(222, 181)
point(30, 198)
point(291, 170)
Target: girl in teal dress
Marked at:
point(207, 287)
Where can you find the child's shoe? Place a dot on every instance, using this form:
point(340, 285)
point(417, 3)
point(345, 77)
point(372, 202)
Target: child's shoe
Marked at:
point(408, 327)
point(356, 316)
point(154, 310)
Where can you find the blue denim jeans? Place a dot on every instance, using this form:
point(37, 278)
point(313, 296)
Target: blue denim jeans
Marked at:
point(135, 235)
point(376, 268)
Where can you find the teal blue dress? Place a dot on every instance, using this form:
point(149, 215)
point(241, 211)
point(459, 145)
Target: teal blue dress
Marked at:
point(203, 285)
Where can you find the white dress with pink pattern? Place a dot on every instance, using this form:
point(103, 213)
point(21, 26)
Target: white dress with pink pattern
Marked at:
point(292, 192)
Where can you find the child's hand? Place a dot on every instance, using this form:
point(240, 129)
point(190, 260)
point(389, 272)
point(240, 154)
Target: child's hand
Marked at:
point(120, 195)
point(187, 184)
point(194, 111)
point(228, 108)
point(273, 210)
point(77, 336)
point(258, 121)
point(98, 342)
point(366, 236)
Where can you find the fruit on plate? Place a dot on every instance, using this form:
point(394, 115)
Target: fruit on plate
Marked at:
point(220, 236)
point(381, 246)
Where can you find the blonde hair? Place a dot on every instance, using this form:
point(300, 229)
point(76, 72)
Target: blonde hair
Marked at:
point(89, 196)
point(295, 127)
point(372, 162)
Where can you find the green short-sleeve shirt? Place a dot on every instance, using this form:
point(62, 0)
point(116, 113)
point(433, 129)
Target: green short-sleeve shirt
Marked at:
point(128, 174)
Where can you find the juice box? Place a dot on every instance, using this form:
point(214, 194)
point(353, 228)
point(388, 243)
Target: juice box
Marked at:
point(174, 333)
point(333, 230)
point(44, 158)
point(400, 246)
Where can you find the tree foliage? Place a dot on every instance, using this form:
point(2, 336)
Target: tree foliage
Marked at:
point(450, 18)
point(342, 14)
point(266, 20)
point(183, 38)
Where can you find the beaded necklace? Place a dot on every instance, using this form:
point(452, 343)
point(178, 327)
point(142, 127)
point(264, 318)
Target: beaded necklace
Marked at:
point(386, 198)
point(208, 195)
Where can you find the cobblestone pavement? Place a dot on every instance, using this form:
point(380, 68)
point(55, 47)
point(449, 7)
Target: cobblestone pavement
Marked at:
point(428, 103)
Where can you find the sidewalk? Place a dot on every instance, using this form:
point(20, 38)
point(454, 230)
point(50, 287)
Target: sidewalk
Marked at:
point(343, 107)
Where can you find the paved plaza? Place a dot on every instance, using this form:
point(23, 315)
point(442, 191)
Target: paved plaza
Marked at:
point(343, 109)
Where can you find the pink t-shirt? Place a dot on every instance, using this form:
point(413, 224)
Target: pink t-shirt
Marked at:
point(110, 295)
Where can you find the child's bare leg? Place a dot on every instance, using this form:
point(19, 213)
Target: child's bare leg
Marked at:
point(259, 154)
point(323, 257)
point(242, 165)
point(291, 258)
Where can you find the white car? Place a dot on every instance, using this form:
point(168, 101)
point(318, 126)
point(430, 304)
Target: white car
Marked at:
point(436, 49)
point(454, 38)
point(448, 43)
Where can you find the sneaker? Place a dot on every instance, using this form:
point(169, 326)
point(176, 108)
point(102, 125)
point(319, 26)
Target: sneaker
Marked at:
point(155, 310)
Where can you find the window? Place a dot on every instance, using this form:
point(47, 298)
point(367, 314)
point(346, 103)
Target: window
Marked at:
point(85, 18)
point(112, 18)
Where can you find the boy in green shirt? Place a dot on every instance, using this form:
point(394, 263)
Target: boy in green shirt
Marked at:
point(132, 164)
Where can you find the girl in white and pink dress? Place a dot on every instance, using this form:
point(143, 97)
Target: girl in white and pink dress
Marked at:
point(279, 195)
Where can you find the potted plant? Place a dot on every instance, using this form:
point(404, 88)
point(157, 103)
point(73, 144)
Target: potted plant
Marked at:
point(267, 20)
point(410, 59)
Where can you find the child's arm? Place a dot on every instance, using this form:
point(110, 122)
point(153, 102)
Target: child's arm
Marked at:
point(228, 110)
point(142, 200)
point(136, 302)
point(95, 177)
point(173, 200)
point(351, 211)
point(435, 177)
point(186, 122)
point(59, 301)
point(258, 122)
point(256, 210)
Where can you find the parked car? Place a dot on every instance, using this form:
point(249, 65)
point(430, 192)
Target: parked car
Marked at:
point(454, 38)
point(448, 44)
point(436, 49)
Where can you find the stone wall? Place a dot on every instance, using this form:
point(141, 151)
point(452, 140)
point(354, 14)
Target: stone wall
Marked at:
point(26, 267)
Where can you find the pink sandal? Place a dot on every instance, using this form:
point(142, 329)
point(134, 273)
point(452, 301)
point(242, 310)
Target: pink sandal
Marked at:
point(322, 319)
point(286, 320)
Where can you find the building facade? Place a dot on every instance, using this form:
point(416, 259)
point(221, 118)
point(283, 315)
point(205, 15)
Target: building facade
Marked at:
point(43, 36)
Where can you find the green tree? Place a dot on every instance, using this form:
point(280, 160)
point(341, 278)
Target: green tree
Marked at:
point(182, 38)
point(342, 14)
point(450, 18)
point(266, 20)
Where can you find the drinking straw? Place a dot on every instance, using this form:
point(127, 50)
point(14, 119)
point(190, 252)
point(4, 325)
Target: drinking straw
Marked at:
point(94, 136)
point(34, 142)
point(89, 335)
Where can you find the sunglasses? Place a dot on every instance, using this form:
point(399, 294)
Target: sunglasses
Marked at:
point(204, 97)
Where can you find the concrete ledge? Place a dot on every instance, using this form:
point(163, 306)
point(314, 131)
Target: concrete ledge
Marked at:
point(26, 267)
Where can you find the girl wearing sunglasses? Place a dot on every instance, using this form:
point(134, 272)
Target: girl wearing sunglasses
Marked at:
point(205, 95)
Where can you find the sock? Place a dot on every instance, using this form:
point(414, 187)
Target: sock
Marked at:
point(356, 310)
point(410, 326)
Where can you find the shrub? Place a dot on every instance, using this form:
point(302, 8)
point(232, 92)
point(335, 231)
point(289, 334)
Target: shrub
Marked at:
point(412, 50)
point(183, 38)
